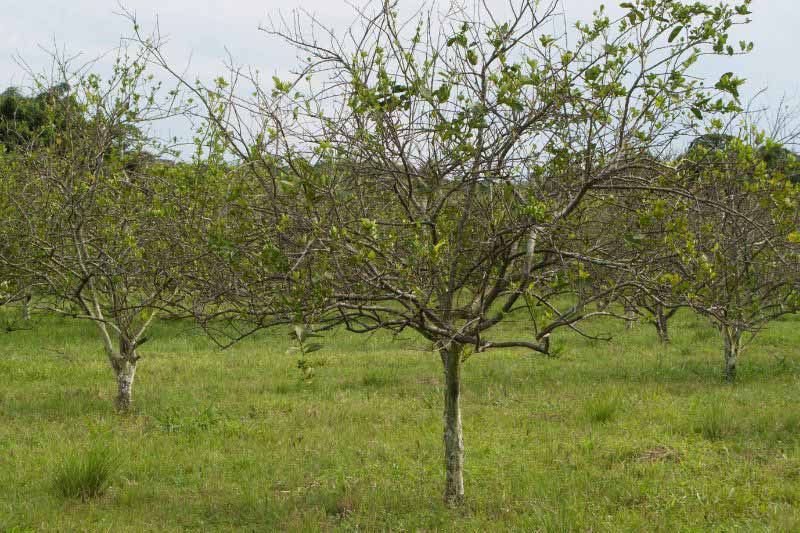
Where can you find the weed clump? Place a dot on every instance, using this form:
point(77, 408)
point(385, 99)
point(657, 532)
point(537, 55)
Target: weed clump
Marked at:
point(86, 475)
point(712, 422)
point(602, 409)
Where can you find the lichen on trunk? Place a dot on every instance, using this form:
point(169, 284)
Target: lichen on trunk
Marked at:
point(125, 374)
point(124, 365)
point(732, 339)
point(630, 315)
point(661, 325)
point(453, 435)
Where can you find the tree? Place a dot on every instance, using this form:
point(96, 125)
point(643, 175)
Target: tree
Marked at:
point(10, 287)
point(88, 232)
point(733, 240)
point(435, 174)
point(24, 119)
point(653, 215)
point(657, 315)
point(781, 160)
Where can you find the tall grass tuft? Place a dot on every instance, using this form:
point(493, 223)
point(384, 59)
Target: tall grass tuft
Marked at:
point(86, 474)
point(713, 422)
point(602, 409)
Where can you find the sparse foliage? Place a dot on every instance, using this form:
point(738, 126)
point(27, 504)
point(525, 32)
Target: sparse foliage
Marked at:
point(83, 222)
point(443, 173)
point(732, 240)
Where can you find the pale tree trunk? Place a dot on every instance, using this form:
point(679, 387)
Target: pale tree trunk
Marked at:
point(453, 436)
point(26, 307)
point(630, 314)
point(661, 325)
point(125, 371)
point(124, 365)
point(732, 339)
point(123, 361)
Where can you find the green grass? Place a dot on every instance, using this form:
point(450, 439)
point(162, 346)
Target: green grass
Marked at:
point(602, 409)
point(85, 474)
point(608, 436)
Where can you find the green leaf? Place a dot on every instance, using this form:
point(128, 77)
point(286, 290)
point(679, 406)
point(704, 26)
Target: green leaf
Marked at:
point(593, 73)
point(675, 33)
point(314, 347)
point(443, 93)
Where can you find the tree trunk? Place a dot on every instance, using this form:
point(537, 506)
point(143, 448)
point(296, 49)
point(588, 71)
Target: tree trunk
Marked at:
point(732, 339)
point(125, 372)
point(661, 325)
point(630, 313)
point(453, 436)
point(26, 307)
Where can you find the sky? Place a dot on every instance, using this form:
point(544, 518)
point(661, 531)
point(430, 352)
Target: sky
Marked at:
point(203, 32)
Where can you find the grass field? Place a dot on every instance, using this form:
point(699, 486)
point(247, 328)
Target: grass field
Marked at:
point(609, 436)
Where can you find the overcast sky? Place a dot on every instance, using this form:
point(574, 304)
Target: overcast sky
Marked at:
point(204, 29)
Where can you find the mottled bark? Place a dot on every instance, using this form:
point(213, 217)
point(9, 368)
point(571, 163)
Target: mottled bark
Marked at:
point(630, 314)
point(660, 322)
point(125, 372)
point(453, 436)
point(732, 340)
point(124, 365)
point(26, 307)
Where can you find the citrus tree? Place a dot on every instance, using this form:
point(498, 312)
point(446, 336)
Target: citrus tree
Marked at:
point(438, 173)
point(733, 240)
point(82, 215)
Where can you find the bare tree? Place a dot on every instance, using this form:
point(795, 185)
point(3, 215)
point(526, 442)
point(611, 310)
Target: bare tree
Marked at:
point(434, 173)
point(86, 214)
